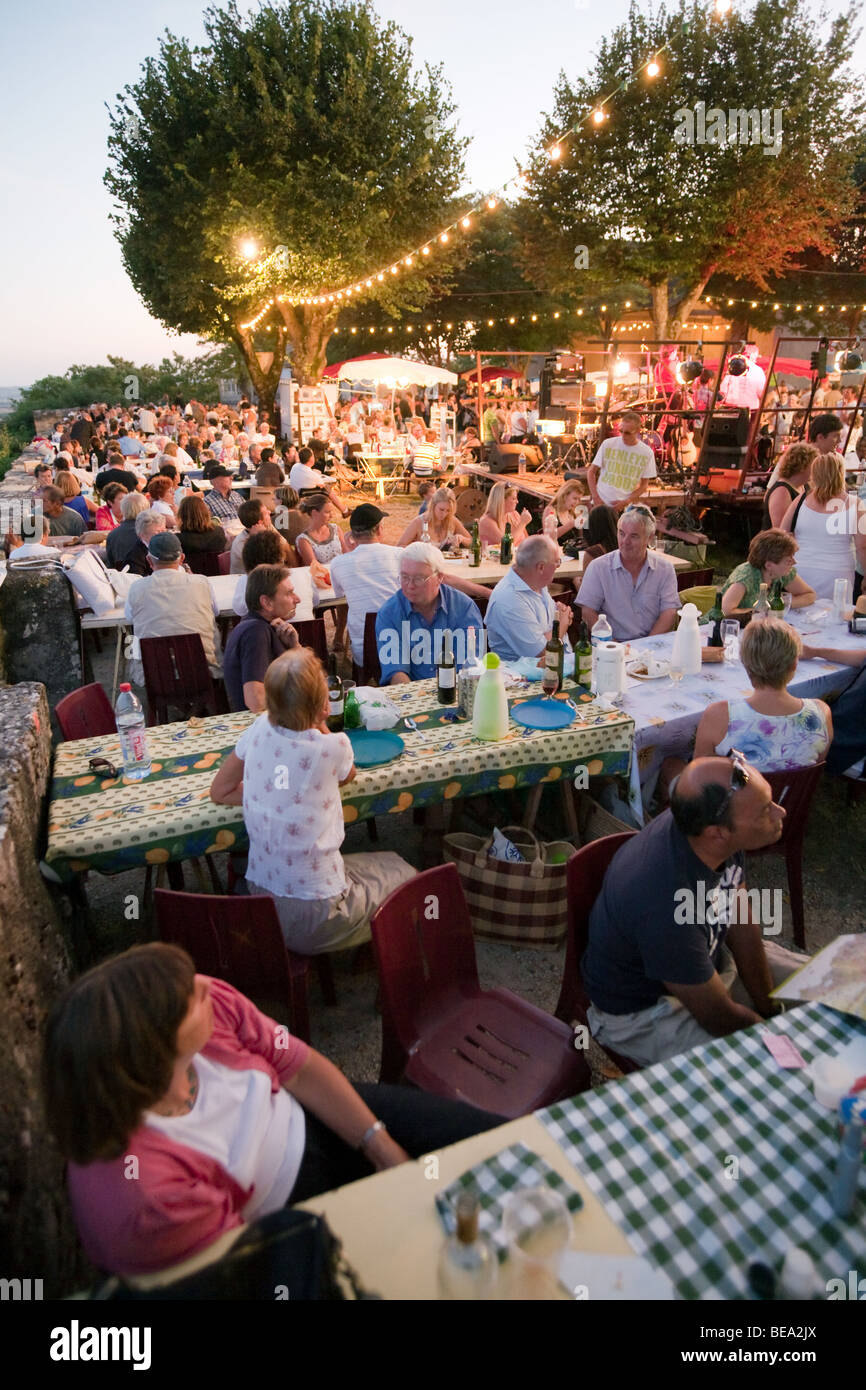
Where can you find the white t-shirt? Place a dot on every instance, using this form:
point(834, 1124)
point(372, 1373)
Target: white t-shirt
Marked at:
point(257, 1135)
point(302, 476)
point(622, 467)
point(366, 577)
point(292, 809)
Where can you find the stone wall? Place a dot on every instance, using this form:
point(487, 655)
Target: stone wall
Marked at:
point(37, 1237)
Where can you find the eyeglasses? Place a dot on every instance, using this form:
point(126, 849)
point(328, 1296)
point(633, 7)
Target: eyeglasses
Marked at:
point(417, 578)
point(102, 767)
point(740, 777)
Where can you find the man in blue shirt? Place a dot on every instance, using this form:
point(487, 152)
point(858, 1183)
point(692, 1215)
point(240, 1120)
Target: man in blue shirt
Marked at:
point(128, 445)
point(521, 613)
point(409, 625)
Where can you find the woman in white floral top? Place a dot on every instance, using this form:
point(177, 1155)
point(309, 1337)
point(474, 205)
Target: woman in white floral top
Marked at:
point(286, 772)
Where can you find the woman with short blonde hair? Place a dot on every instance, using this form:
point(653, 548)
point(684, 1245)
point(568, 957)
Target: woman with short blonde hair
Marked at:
point(502, 508)
point(772, 728)
point(830, 527)
point(295, 820)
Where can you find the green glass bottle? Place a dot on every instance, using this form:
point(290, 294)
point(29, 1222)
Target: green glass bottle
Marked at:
point(476, 546)
point(716, 617)
point(776, 604)
point(583, 659)
point(351, 712)
point(506, 547)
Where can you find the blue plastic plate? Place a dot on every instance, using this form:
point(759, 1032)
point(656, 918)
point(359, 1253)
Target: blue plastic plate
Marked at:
point(542, 714)
point(373, 748)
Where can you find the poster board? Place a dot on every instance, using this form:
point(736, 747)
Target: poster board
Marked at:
point(311, 410)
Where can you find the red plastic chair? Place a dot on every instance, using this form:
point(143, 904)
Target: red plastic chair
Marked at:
point(224, 562)
point(370, 672)
point(239, 940)
point(204, 562)
point(312, 634)
point(693, 579)
point(440, 1030)
point(176, 675)
point(795, 791)
point(583, 877)
point(86, 713)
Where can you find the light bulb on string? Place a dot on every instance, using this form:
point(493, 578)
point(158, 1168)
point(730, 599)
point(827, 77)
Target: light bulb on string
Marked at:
point(555, 152)
point(443, 238)
point(599, 115)
point(652, 68)
point(467, 222)
point(723, 7)
point(491, 203)
point(425, 251)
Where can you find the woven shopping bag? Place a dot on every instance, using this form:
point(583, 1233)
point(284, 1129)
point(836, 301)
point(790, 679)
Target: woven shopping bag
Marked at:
point(521, 904)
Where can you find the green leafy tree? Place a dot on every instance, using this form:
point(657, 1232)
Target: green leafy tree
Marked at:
point(304, 130)
point(655, 205)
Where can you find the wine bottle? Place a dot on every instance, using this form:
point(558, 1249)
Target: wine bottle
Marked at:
point(762, 604)
point(506, 547)
point(335, 697)
point(446, 672)
point(476, 546)
point(776, 604)
point(583, 659)
point(551, 679)
point(716, 617)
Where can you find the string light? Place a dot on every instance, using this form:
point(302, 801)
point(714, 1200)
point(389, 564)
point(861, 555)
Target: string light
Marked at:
point(722, 7)
point(652, 68)
point(599, 116)
point(555, 152)
point(466, 222)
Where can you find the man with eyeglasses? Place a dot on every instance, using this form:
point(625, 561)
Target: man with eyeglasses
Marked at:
point(409, 625)
point(675, 957)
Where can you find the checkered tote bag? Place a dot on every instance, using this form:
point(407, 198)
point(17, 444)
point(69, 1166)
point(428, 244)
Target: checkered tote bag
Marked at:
point(522, 904)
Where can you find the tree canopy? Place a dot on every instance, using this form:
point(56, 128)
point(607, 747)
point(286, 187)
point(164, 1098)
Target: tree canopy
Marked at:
point(655, 209)
point(304, 129)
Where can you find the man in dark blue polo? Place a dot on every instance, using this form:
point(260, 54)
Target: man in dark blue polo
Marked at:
point(409, 625)
point(261, 637)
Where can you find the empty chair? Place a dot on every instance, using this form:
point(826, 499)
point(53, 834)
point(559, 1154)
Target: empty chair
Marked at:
point(239, 940)
point(794, 790)
point(224, 561)
point(176, 675)
point(583, 877)
point(86, 713)
point(440, 1030)
point(311, 633)
point(694, 579)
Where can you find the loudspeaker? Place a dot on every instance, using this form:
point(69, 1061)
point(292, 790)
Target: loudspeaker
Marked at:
point(729, 429)
point(503, 458)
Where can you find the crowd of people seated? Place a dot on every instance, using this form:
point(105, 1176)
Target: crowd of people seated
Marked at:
point(191, 1047)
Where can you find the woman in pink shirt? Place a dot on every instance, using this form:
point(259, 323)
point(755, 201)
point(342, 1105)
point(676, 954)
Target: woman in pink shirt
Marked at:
point(184, 1112)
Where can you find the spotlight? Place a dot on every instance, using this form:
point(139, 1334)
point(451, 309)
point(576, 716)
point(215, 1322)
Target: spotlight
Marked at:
point(847, 361)
point(689, 371)
point(738, 366)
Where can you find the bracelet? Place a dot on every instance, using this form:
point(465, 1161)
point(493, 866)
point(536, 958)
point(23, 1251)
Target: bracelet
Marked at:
point(374, 1129)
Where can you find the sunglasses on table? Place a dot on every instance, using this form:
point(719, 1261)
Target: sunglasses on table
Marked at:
point(101, 767)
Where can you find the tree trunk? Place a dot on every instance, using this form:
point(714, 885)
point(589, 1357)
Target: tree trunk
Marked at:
point(309, 331)
point(264, 383)
point(659, 295)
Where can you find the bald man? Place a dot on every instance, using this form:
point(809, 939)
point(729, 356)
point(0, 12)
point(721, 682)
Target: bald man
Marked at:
point(678, 953)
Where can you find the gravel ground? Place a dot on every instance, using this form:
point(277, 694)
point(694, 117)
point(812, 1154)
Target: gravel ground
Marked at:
point(348, 1033)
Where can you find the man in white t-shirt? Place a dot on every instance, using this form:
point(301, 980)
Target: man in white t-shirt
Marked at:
point(303, 478)
point(620, 472)
point(368, 575)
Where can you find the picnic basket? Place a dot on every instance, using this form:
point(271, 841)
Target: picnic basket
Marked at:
point(521, 904)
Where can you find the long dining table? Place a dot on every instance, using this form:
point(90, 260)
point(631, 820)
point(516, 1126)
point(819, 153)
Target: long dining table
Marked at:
point(110, 825)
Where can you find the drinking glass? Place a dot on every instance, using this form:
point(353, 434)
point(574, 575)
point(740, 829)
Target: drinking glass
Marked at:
point(676, 674)
point(787, 600)
point(537, 1225)
point(730, 630)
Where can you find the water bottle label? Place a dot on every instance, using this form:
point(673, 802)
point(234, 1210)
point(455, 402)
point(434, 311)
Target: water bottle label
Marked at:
point(138, 746)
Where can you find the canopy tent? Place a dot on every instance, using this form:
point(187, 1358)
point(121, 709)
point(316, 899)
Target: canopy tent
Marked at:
point(494, 373)
point(390, 371)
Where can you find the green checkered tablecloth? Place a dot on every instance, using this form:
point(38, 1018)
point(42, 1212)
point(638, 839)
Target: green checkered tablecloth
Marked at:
point(492, 1180)
point(720, 1157)
point(111, 825)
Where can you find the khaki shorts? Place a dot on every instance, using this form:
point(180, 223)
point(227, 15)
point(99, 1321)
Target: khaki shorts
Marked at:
point(335, 924)
point(667, 1028)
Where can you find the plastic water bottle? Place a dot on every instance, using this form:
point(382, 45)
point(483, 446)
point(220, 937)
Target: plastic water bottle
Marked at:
point(601, 632)
point(521, 462)
point(131, 726)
